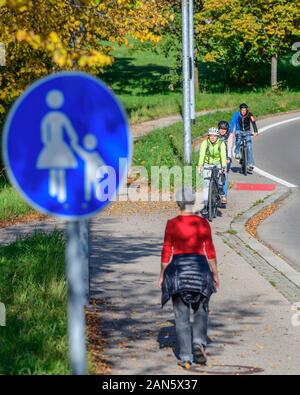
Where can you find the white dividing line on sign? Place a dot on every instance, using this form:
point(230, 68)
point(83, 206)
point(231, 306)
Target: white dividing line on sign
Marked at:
point(268, 175)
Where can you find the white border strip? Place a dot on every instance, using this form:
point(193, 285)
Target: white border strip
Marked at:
point(264, 173)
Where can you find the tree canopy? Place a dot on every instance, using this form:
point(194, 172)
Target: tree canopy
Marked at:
point(245, 34)
point(41, 36)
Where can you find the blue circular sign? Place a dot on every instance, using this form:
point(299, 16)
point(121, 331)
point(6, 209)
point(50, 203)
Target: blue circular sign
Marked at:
point(67, 146)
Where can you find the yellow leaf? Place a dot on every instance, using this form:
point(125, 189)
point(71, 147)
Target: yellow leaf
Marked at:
point(21, 35)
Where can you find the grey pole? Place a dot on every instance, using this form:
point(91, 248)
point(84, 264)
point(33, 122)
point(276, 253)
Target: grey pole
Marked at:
point(186, 83)
point(84, 245)
point(76, 299)
point(192, 60)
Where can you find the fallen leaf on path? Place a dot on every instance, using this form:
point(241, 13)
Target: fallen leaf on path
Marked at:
point(96, 341)
point(21, 219)
point(254, 222)
point(259, 346)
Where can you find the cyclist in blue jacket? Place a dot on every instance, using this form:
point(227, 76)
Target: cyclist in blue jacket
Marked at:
point(241, 122)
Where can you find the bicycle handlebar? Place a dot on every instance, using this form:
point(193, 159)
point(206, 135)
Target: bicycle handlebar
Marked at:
point(247, 133)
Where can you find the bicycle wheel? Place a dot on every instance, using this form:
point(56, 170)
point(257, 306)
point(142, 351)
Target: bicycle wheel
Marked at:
point(212, 201)
point(245, 160)
point(217, 204)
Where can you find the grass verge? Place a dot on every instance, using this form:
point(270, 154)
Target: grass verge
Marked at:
point(33, 288)
point(11, 204)
point(164, 147)
point(142, 108)
point(34, 291)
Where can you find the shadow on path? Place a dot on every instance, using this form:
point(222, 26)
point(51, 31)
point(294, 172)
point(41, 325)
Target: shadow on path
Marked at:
point(138, 331)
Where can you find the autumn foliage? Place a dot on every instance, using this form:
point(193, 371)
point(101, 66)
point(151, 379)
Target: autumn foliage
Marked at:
point(243, 35)
point(41, 36)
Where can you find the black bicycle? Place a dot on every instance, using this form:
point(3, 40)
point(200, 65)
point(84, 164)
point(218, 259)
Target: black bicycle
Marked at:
point(244, 154)
point(214, 198)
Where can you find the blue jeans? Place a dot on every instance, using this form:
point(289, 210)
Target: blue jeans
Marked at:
point(249, 146)
point(185, 331)
point(226, 185)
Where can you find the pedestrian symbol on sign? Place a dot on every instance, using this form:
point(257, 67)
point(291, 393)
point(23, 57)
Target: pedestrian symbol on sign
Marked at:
point(58, 157)
point(93, 162)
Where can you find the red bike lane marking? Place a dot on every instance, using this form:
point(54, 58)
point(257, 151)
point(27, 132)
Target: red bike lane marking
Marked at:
point(254, 187)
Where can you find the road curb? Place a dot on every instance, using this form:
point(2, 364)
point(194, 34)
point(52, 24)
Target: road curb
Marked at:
point(255, 246)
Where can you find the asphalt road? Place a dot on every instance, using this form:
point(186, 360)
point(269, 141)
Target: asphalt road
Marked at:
point(277, 151)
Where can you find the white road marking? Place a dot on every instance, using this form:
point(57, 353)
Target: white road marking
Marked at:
point(274, 178)
point(264, 173)
point(274, 125)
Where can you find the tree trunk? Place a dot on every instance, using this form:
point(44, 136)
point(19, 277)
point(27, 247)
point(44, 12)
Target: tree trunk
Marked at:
point(196, 73)
point(274, 72)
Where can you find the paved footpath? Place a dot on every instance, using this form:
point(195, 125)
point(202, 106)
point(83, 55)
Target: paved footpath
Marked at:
point(250, 326)
point(250, 323)
point(143, 128)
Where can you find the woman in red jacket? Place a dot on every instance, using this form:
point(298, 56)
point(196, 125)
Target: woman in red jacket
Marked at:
point(189, 276)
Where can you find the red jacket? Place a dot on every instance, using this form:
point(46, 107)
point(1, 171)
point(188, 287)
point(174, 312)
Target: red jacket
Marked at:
point(188, 234)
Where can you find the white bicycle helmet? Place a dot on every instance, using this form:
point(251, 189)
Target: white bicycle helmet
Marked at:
point(213, 132)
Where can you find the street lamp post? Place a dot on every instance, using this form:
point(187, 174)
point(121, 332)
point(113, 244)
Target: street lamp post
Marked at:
point(192, 61)
point(186, 83)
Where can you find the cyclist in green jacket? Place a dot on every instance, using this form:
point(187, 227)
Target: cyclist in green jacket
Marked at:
point(227, 137)
point(212, 153)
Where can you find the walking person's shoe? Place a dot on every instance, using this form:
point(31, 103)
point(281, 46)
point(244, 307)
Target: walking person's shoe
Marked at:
point(204, 211)
point(185, 364)
point(250, 169)
point(200, 356)
point(223, 199)
point(237, 156)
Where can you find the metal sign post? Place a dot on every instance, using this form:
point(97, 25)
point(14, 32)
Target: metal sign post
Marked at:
point(186, 84)
point(84, 251)
point(192, 61)
point(76, 298)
